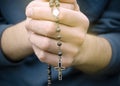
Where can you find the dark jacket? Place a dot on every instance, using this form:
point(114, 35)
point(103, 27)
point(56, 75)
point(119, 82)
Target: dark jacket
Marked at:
point(104, 16)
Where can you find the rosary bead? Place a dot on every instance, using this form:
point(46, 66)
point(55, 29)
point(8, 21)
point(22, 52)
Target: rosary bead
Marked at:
point(58, 29)
point(59, 37)
point(49, 75)
point(51, 3)
point(60, 53)
point(59, 43)
point(57, 3)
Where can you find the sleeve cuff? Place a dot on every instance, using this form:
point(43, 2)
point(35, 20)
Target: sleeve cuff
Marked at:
point(114, 40)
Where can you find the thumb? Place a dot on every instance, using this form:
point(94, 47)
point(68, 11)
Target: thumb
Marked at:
point(76, 7)
point(71, 2)
point(68, 1)
point(63, 1)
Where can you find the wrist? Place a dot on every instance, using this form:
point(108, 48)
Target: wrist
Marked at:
point(95, 54)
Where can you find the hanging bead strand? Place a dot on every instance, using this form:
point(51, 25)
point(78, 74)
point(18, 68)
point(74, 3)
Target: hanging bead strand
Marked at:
point(56, 13)
point(55, 4)
point(49, 75)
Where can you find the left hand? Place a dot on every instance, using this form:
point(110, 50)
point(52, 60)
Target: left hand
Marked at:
point(41, 26)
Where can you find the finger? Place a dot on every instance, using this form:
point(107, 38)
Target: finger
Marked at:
point(47, 28)
point(68, 1)
point(46, 4)
point(50, 45)
point(44, 13)
point(65, 1)
point(51, 59)
point(73, 2)
point(45, 57)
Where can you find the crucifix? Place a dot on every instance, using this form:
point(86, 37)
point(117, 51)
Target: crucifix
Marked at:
point(60, 68)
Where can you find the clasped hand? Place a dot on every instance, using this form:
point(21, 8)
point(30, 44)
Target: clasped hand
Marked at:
point(41, 27)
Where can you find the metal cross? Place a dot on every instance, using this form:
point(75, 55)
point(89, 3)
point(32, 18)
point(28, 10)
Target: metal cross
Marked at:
point(60, 68)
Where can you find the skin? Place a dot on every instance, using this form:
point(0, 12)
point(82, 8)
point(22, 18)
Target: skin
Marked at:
point(77, 52)
point(15, 43)
point(86, 52)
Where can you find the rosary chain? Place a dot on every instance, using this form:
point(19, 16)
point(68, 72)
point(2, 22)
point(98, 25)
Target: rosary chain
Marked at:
point(55, 4)
point(49, 75)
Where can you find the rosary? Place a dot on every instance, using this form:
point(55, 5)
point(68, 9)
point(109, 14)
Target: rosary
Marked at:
point(54, 5)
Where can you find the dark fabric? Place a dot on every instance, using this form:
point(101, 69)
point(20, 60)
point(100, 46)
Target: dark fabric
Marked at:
point(104, 16)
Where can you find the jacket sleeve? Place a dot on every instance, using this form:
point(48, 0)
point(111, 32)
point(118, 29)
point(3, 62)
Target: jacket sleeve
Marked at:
point(108, 26)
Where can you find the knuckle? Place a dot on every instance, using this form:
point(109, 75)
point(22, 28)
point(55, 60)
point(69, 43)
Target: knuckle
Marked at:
point(67, 62)
point(28, 24)
point(62, 17)
point(71, 6)
point(46, 44)
point(86, 22)
point(51, 29)
point(42, 56)
point(68, 6)
point(81, 38)
point(76, 51)
point(30, 4)
point(30, 38)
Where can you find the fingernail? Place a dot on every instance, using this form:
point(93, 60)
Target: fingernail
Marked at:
point(29, 12)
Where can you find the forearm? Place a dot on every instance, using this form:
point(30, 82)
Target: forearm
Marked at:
point(14, 42)
point(95, 53)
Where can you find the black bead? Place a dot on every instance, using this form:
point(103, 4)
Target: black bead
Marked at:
point(49, 75)
point(59, 43)
point(60, 53)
